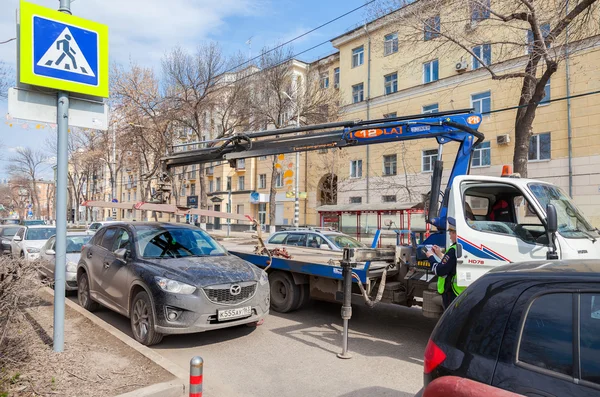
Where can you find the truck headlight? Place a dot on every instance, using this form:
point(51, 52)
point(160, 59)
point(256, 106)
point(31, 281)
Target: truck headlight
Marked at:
point(71, 267)
point(264, 278)
point(33, 250)
point(175, 287)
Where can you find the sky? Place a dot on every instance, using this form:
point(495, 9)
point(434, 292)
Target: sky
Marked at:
point(142, 31)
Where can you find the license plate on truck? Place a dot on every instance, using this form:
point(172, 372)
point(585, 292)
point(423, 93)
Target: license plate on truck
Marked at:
point(230, 314)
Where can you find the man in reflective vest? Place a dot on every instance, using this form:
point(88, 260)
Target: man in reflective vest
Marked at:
point(446, 268)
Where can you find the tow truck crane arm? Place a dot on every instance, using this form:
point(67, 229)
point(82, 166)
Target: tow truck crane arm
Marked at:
point(450, 126)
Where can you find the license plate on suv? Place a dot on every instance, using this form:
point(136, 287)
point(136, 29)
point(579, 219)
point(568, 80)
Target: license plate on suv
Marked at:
point(229, 314)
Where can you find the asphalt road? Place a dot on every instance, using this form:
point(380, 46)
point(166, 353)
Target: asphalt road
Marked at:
point(294, 354)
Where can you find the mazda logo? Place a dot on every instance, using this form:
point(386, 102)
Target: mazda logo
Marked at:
point(235, 290)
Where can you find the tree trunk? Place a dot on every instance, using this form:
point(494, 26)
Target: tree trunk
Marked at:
point(272, 196)
point(522, 137)
point(36, 198)
point(203, 195)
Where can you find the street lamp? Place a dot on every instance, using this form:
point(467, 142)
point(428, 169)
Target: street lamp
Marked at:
point(297, 167)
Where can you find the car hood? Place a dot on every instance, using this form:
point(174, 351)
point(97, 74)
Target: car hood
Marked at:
point(34, 243)
point(73, 257)
point(206, 270)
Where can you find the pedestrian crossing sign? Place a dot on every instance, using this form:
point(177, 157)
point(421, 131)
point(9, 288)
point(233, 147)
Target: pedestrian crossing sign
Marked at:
point(61, 51)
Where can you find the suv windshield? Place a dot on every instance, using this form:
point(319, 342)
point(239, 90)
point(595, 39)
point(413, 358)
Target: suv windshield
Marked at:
point(571, 222)
point(342, 241)
point(175, 242)
point(42, 233)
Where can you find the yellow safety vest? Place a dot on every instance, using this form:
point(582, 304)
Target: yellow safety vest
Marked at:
point(441, 282)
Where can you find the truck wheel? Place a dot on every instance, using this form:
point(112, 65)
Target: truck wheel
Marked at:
point(142, 320)
point(285, 294)
point(83, 293)
point(304, 295)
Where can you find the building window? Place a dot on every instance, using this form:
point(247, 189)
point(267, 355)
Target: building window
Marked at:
point(482, 155)
point(430, 71)
point(540, 147)
point(545, 28)
point(358, 56)
point(240, 164)
point(279, 179)
point(356, 169)
point(336, 78)
point(262, 158)
point(325, 80)
point(358, 93)
point(389, 165)
point(193, 172)
point(128, 196)
point(428, 158)
point(229, 183)
point(241, 183)
point(480, 10)
point(388, 199)
point(390, 115)
point(390, 44)
point(218, 183)
point(431, 27)
point(483, 52)
point(192, 189)
point(482, 102)
point(262, 181)
point(355, 200)
point(262, 213)
point(391, 83)
point(211, 186)
point(183, 191)
point(433, 108)
point(546, 99)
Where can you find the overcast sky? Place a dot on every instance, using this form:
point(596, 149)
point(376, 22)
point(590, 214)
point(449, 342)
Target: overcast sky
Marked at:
point(143, 30)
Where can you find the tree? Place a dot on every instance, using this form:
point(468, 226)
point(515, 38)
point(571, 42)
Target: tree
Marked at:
point(28, 164)
point(542, 30)
point(191, 81)
point(4, 79)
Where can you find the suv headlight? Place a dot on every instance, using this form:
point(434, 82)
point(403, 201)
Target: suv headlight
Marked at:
point(175, 287)
point(5, 241)
point(32, 250)
point(71, 267)
point(264, 278)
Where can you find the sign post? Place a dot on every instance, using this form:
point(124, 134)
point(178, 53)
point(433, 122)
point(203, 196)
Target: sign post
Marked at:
point(69, 54)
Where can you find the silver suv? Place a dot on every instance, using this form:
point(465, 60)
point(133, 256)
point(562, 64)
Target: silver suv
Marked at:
point(315, 238)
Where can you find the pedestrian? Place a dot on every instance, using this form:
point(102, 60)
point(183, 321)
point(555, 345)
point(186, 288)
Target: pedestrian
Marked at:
point(446, 268)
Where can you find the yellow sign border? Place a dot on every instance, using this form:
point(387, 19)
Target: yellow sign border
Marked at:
point(28, 11)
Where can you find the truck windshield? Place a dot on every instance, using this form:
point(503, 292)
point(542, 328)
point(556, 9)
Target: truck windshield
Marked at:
point(571, 222)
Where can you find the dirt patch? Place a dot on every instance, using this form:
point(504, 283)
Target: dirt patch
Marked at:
point(94, 363)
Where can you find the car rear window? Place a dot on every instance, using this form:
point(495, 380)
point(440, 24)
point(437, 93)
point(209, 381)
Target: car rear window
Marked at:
point(590, 337)
point(40, 233)
point(9, 231)
point(547, 338)
point(278, 238)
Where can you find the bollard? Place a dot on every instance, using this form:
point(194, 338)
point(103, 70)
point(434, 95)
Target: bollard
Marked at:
point(196, 365)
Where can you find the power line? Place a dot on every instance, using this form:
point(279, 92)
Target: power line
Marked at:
point(543, 103)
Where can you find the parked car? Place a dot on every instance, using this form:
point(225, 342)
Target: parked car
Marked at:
point(9, 221)
point(94, 226)
point(26, 243)
point(530, 328)
point(32, 222)
point(75, 243)
point(313, 238)
point(169, 279)
point(6, 234)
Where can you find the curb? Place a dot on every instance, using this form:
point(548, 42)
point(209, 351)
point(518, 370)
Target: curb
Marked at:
point(172, 388)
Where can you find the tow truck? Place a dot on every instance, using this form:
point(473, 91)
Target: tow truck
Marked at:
point(499, 220)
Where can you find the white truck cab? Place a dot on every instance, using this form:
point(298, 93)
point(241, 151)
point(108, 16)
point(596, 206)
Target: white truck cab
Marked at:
point(503, 219)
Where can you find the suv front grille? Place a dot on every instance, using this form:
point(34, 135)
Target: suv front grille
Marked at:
point(222, 294)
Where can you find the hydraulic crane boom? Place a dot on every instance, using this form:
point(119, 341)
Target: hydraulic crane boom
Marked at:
point(451, 126)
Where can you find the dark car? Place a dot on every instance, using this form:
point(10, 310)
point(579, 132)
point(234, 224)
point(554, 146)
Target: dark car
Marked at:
point(9, 221)
point(169, 279)
point(530, 328)
point(32, 222)
point(6, 234)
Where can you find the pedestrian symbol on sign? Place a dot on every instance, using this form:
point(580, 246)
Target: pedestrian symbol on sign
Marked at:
point(64, 54)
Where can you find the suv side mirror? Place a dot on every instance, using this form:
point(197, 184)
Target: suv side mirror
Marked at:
point(122, 254)
point(324, 246)
point(17, 238)
point(551, 218)
point(50, 252)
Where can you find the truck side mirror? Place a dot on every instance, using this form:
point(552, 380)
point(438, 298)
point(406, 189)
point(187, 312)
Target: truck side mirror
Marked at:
point(459, 251)
point(552, 221)
point(551, 218)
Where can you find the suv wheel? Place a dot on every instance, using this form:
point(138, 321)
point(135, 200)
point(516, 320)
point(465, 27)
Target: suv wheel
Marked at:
point(285, 294)
point(83, 293)
point(142, 320)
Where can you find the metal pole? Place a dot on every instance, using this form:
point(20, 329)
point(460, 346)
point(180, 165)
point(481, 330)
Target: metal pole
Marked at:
point(62, 156)
point(346, 307)
point(230, 210)
point(367, 168)
point(297, 175)
point(196, 367)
